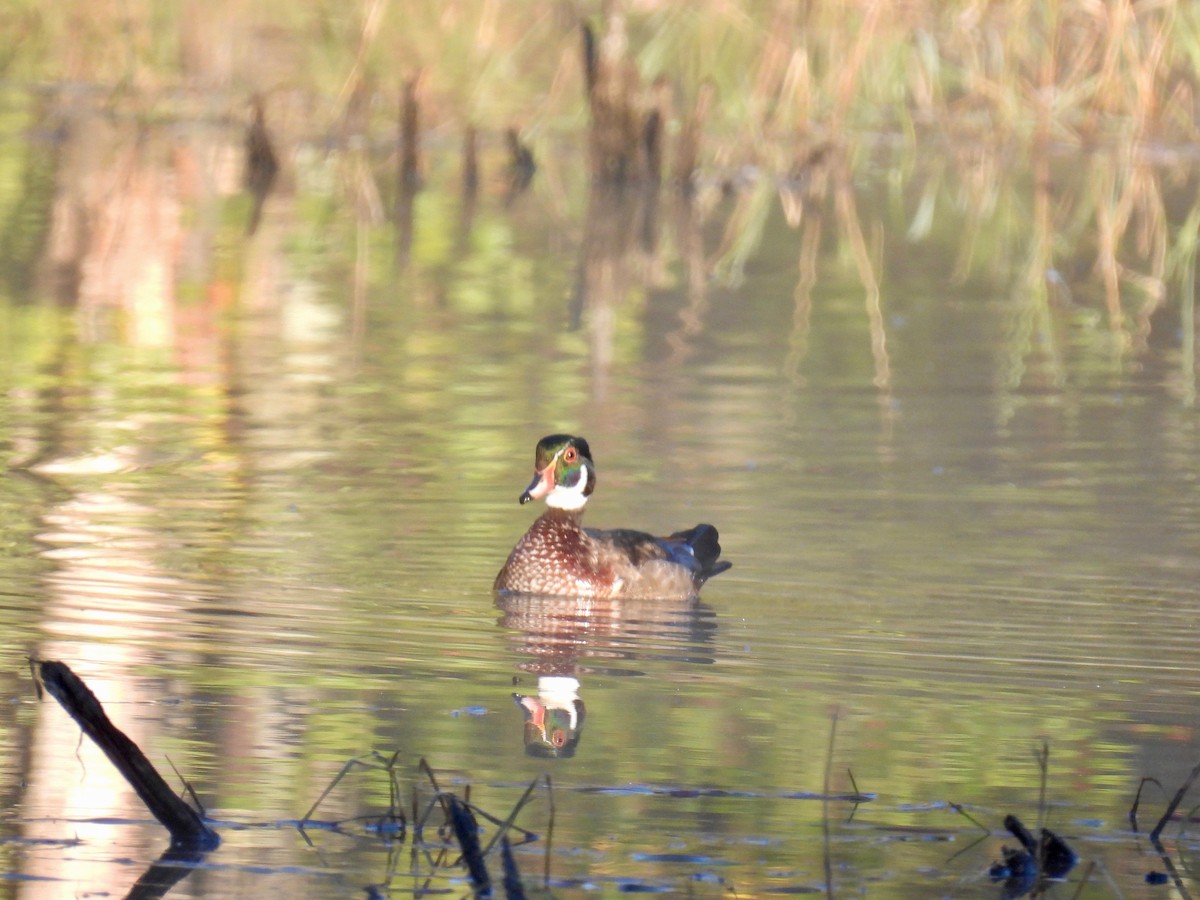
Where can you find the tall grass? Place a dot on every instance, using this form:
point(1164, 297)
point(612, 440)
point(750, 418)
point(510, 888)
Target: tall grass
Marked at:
point(1081, 72)
point(769, 86)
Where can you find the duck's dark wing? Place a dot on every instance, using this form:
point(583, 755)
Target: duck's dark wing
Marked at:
point(635, 547)
point(696, 549)
point(702, 546)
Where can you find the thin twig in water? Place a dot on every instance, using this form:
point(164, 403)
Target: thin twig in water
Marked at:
point(1137, 799)
point(825, 806)
point(187, 786)
point(957, 807)
point(1174, 804)
point(1087, 873)
point(502, 831)
point(350, 763)
point(439, 797)
point(856, 794)
point(1043, 761)
point(549, 831)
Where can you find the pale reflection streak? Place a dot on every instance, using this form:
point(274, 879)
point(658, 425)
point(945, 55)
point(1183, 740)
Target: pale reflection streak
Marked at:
point(606, 274)
point(116, 253)
point(803, 206)
point(847, 213)
point(114, 245)
point(618, 253)
point(104, 606)
point(689, 239)
point(803, 209)
point(116, 239)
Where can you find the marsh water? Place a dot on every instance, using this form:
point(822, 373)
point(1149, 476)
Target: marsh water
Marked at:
point(257, 486)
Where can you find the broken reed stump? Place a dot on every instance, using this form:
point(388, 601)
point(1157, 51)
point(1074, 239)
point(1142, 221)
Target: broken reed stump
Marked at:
point(616, 135)
point(187, 828)
point(262, 162)
point(410, 125)
point(521, 165)
point(627, 133)
point(687, 147)
point(466, 829)
point(514, 888)
point(470, 165)
point(654, 130)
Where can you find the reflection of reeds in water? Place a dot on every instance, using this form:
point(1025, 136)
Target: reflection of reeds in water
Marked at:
point(116, 221)
point(983, 84)
point(1032, 326)
point(262, 163)
point(803, 208)
point(408, 174)
point(1119, 69)
point(1184, 262)
point(614, 95)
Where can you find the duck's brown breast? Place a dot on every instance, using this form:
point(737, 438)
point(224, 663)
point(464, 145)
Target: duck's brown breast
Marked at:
point(556, 556)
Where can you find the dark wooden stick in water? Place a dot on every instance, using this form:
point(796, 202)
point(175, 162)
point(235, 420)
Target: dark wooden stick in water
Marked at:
point(513, 889)
point(187, 828)
point(462, 820)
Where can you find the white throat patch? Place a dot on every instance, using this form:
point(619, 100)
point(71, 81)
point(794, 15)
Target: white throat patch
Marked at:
point(570, 498)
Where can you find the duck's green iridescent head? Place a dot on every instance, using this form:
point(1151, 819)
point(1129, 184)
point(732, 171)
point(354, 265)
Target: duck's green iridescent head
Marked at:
point(563, 472)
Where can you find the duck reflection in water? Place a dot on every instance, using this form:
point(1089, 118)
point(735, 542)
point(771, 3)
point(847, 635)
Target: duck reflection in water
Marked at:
point(554, 718)
point(565, 639)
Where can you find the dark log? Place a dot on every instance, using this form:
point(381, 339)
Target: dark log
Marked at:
point(188, 830)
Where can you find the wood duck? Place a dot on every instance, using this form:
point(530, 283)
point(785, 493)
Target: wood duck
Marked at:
point(559, 556)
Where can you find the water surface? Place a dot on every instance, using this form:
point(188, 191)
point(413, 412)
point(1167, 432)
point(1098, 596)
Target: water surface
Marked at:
point(260, 510)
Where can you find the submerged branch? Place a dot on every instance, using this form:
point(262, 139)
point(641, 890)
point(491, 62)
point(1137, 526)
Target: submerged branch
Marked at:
point(187, 828)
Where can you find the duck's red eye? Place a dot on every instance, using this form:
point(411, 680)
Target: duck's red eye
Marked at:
point(570, 454)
